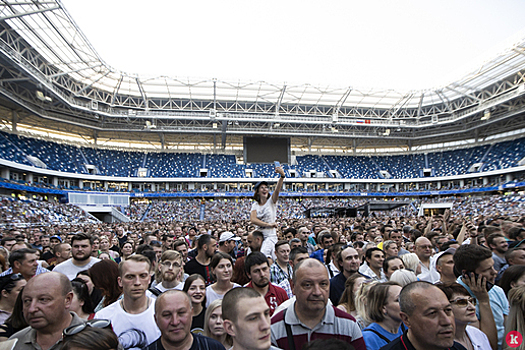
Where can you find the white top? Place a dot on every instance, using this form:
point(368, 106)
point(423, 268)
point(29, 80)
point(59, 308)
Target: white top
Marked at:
point(70, 270)
point(212, 295)
point(478, 338)
point(135, 331)
point(266, 213)
point(162, 289)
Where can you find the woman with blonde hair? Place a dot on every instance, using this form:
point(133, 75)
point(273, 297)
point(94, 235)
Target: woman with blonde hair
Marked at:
point(411, 262)
point(362, 318)
point(213, 324)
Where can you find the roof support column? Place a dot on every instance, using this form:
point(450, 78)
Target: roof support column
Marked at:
point(14, 121)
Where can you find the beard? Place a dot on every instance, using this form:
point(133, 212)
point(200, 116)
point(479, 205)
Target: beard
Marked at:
point(262, 285)
point(169, 277)
point(82, 257)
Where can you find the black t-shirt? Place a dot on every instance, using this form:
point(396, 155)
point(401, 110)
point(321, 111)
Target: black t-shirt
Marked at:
point(197, 323)
point(193, 266)
point(200, 342)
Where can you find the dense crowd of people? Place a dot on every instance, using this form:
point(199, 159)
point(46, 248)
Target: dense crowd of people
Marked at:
point(251, 277)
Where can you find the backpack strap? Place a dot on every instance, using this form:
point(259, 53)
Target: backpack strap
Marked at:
point(289, 335)
point(378, 334)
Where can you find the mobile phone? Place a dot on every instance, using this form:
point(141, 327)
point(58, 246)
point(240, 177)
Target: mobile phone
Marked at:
point(466, 274)
point(277, 164)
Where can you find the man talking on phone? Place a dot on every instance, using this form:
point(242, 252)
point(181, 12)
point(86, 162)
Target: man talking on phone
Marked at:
point(471, 263)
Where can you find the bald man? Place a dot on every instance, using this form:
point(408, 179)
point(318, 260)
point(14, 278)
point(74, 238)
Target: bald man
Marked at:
point(424, 252)
point(309, 317)
point(46, 303)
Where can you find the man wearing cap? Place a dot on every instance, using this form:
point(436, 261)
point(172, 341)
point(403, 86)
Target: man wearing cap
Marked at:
point(264, 210)
point(444, 264)
point(227, 243)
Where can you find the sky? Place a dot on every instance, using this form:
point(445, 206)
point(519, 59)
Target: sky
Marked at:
point(402, 45)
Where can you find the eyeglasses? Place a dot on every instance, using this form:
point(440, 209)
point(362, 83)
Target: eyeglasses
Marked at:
point(168, 264)
point(463, 302)
point(100, 323)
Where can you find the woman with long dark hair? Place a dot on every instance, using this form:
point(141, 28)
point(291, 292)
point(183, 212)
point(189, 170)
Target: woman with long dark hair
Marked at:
point(195, 287)
point(104, 275)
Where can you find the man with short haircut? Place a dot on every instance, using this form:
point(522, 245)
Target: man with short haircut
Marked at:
point(206, 247)
point(132, 317)
point(296, 254)
point(170, 267)
point(396, 236)
point(81, 259)
point(227, 242)
point(444, 264)
point(348, 262)
point(8, 242)
point(373, 268)
point(310, 318)
point(173, 317)
point(302, 234)
point(46, 302)
point(473, 259)
point(325, 241)
point(61, 252)
point(514, 256)
point(24, 262)
point(167, 241)
point(427, 313)
point(281, 269)
point(294, 243)
point(258, 271)
point(181, 246)
point(499, 246)
point(247, 320)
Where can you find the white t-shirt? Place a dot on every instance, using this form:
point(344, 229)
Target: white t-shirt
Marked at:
point(266, 213)
point(70, 270)
point(478, 338)
point(135, 331)
point(162, 289)
point(212, 295)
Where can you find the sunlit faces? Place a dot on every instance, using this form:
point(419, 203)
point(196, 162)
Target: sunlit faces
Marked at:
point(282, 253)
point(350, 260)
point(311, 287)
point(391, 307)
point(392, 250)
point(215, 323)
point(197, 291)
point(28, 266)
point(251, 329)
point(127, 249)
point(393, 265)
point(376, 260)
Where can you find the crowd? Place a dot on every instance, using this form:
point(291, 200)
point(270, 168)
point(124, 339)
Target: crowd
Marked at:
point(393, 280)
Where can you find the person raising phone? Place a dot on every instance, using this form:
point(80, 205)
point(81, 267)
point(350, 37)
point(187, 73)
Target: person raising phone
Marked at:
point(264, 211)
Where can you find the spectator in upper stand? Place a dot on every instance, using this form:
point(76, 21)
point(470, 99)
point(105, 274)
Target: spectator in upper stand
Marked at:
point(499, 246)
point(325, 241)
point(302, 234)
point(81, 247)
point(348, 261)
point(374, 264)
point(258, 271)
point(206, 247)
point(281, 269)
point(471, 260)
point(310, 317)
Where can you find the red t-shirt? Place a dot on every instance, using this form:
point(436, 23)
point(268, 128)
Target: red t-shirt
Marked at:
point(274, 297)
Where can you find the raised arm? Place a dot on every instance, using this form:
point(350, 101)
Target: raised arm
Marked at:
point(275, 194)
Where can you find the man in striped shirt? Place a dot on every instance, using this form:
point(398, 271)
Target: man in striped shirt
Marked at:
point(309, 318)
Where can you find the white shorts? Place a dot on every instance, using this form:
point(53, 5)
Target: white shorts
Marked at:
point(268, 247)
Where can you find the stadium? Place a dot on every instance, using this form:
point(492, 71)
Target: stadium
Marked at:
point(77, 130)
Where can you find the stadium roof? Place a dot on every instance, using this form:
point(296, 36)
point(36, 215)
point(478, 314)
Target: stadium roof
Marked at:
point(64, 63)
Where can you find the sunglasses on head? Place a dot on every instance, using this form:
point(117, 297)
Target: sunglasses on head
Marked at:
point(72, 330)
